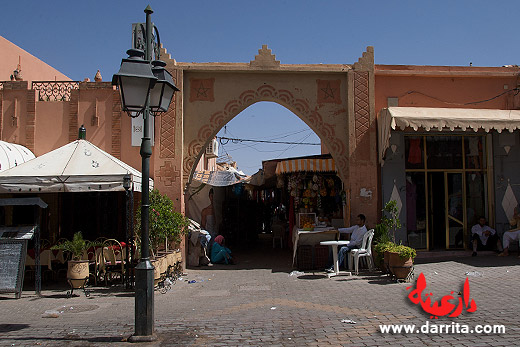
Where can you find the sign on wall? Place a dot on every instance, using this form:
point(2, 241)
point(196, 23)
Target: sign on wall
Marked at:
point(137, 130)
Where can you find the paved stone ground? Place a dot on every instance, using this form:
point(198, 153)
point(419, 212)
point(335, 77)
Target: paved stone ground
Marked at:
point(257, 303)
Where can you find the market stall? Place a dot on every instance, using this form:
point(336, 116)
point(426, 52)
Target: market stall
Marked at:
point(316, 204)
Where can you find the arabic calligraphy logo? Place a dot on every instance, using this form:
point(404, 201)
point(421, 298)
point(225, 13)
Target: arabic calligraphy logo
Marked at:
point(445, 308)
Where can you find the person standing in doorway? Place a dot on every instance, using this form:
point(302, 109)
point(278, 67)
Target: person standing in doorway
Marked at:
point(207, 220)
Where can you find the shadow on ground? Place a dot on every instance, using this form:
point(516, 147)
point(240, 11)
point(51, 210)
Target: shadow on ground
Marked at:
point(5, 328)
point(483, 259)
point(260, 255)
point(68, 338)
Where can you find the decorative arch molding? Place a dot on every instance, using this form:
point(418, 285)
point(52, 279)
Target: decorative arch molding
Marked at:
point(300, 107)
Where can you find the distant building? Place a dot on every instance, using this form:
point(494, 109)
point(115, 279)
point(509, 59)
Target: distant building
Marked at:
point(23, 66)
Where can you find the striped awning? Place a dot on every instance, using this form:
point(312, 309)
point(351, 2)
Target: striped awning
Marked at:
point(295, 165)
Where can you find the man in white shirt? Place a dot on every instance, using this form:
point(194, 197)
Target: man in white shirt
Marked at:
point(484, 237)
point(356, 238)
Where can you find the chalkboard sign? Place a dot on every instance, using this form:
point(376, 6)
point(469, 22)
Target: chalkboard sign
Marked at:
point(12, 265)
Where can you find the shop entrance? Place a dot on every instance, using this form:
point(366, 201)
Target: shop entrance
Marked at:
point(446, 189)
point(445, 210)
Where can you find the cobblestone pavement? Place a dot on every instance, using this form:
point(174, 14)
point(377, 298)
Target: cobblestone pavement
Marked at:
point(257, 303)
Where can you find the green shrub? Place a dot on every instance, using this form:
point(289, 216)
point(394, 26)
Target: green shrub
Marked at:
point(165, 224)
point(383, 247)
point(389, 221)
point(405, 252)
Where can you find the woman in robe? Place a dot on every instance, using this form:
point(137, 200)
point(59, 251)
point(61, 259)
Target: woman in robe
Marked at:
point(219, 253)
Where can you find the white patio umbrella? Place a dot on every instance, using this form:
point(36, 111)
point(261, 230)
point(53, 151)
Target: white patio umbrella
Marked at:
point(78, 166)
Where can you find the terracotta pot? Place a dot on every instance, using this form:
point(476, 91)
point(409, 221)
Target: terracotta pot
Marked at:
point(160, 265)
point(77, 273)
point(400, 267)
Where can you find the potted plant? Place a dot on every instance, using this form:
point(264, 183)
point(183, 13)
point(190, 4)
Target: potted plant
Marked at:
point(381, 251)
point(165, 225)
point(78, 269)
point(382, 241)
point(401, 261)
point(390, 223)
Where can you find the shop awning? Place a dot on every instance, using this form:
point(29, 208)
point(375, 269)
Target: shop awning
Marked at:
point(78, 166)
point(307, 164)
point(447, 119)
point(221, 178)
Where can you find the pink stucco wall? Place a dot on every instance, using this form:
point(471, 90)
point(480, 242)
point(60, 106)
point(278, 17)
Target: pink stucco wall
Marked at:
point(33, 69)
point(441, 86)
point(52, 126)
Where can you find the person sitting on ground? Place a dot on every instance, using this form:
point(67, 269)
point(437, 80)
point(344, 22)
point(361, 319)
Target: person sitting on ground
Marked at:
point(358, 231)
point(219, 253)
point(513, 234)
point(483, 237)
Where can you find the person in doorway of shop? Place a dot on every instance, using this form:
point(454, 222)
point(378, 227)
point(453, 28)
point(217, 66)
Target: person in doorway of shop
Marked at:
point(484, 237)
point(207, 217)
point(356, 238)
point(513, 234)
point(220, 254)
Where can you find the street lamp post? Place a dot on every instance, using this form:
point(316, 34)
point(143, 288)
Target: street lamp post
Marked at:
point(145, 87)
point(129, 239)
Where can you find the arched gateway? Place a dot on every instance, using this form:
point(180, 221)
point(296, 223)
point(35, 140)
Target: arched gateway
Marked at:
point(335, 101)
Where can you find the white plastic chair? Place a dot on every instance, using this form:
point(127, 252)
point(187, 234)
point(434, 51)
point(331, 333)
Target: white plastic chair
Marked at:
point(364, 252)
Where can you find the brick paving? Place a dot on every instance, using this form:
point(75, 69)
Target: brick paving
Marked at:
point(257, 303)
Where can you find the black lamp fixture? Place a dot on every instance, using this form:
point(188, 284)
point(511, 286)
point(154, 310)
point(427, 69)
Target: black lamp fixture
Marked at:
point(135, 80)
point(162, 93)
point(127, 181)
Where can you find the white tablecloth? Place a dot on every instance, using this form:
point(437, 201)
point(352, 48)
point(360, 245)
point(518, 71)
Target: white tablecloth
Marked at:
point(304, 237)
point(47, 257)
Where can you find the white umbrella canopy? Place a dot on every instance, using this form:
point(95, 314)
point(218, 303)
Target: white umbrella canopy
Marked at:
point(78, 166)
point(12, 154)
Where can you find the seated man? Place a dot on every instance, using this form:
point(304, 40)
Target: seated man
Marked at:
point(358, 231)
point(483, 237)
point(513, 234)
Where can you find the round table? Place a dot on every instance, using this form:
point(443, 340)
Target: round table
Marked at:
point(334, 245)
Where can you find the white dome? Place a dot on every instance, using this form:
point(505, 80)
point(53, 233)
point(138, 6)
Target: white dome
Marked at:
point(12, 154)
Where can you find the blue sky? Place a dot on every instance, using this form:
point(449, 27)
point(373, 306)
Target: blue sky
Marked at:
point(80, 37)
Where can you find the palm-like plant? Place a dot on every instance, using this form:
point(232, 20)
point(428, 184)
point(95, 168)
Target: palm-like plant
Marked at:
point(76, 246)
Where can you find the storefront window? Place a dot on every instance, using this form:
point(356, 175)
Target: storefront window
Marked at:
point(416, 210)
point(444, 152)
point(414, 152)
point(455, 210)
point(441, 212)
point(474, 150)
point(476, 193)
